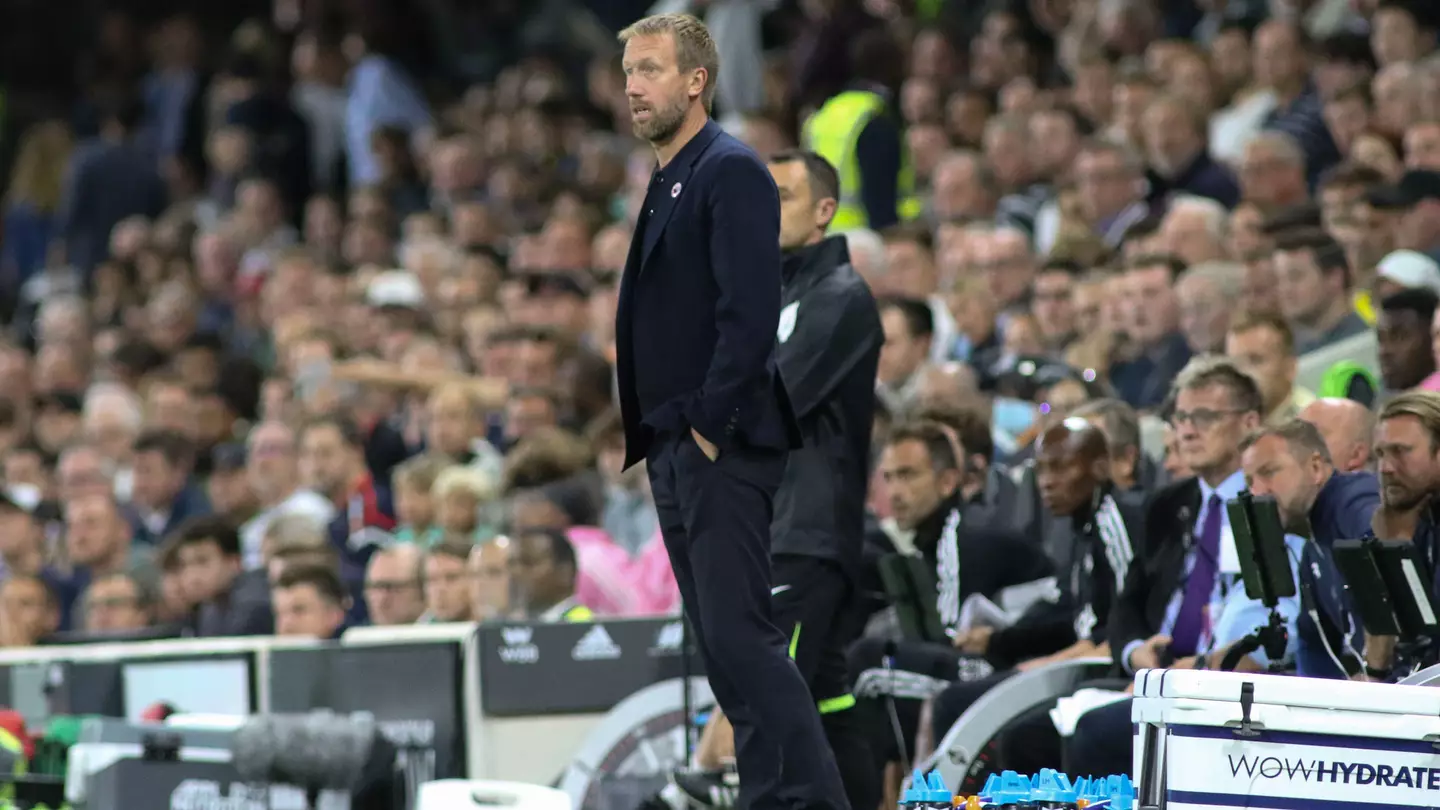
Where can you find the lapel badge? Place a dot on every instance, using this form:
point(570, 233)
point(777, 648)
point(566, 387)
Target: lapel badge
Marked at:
point(675, 191)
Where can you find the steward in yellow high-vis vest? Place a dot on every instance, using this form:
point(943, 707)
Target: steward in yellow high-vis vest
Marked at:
point(833, 133)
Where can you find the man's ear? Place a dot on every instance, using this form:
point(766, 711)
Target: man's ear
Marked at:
point(1250, 421)
point(948, 481)
point(699, 78)
point(824, 212)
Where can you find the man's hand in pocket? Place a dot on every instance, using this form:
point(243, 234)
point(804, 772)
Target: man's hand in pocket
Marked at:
point(706, 446)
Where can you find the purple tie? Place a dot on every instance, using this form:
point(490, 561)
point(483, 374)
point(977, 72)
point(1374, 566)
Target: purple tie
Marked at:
point(1200, 584)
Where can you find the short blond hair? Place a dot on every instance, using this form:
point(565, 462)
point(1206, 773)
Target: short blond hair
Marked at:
point(694, 48)
point(464, 479)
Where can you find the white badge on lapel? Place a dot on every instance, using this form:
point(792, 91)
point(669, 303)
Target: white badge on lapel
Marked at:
point(675, 191)
point(787, 322)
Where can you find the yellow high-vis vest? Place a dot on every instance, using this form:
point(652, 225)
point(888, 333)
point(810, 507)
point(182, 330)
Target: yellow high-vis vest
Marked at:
point(833, 133)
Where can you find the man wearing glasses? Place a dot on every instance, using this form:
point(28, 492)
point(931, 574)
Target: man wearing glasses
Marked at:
point(1160, 615)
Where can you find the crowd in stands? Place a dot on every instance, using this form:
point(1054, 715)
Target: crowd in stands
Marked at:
point(302, 335)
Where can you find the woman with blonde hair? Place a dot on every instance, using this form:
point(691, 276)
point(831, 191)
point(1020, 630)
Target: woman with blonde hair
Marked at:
point(36, 183)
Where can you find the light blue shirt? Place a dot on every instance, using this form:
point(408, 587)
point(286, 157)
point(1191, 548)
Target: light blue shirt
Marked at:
point(380, 95)
point(1227, 490)
point(1234, 615)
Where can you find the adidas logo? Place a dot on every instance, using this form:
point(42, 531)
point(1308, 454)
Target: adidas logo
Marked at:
point(669, 640)
point(595, 645)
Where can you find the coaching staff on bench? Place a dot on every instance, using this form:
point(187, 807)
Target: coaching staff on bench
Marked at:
point(703, 403)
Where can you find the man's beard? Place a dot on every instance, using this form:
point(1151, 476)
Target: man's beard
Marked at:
point(664, 122)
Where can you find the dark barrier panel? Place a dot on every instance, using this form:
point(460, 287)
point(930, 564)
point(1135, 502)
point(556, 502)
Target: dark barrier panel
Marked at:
point(132, 783)
point(413, 691)
point(529, 669)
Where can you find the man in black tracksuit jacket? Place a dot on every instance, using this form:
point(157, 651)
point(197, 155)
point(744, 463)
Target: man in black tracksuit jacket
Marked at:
point(937, 498)
point(829, 340)
point(1074, 478)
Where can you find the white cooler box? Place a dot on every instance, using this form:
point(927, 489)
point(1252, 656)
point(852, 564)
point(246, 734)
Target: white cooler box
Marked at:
point(1311, 744)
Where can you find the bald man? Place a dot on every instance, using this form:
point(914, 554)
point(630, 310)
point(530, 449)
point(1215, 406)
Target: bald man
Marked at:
point(1073, 471)
point(1348, 428)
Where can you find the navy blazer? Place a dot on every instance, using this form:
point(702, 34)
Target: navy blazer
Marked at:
point(699, 304)
point(1342, 511)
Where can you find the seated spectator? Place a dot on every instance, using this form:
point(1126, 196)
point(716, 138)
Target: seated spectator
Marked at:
point(273, 471)
point(161, 492)
point(460, 495)
point(490, 580)
point(228, 487)
point(22, 550)
point(1349, 431)
point(116, 603)
point(1263, 346)
point(447, 595)
point(291, 532)
point(332, 463)
point(455, 429)
point(1314, 281)
point(543, 571)
point(29, 611)
point(172, 604)
point(1402, 332)
point(230, 600)
point(611, 581)
point(394, 585)
point(287, 557)
point(309, 601)
point(100, 541)
point(413, 483)
point(1158, 349)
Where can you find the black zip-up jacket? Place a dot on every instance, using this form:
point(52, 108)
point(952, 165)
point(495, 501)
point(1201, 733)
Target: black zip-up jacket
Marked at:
point(828, 349)
point(1104, 538)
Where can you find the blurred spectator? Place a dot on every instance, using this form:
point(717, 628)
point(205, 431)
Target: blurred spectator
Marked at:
point(272, 469)
point(309, 602)
point(542, 568)
point(1348, 429)
point(230, 600)
point(381, 94)
point(332, 464)
point(1403, 334)
point(1157, 349)
point(162, 493)
point(1264, 347)
point(447, 595)
point(490, 580)
point(127, 174)
point(228, 487)
point(414, 483)
point(100, 541)
point(29, 611)
point(32, 200)
point(116, 603)
point(395, 585)
point(1313, 278)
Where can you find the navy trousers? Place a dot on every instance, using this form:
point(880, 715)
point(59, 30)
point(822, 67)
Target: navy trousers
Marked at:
point(1103, 743)
point(715, 517)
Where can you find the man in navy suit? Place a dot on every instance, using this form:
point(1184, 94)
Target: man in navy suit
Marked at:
point(704, 406)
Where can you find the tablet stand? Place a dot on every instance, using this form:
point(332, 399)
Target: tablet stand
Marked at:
point(1265, 568)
